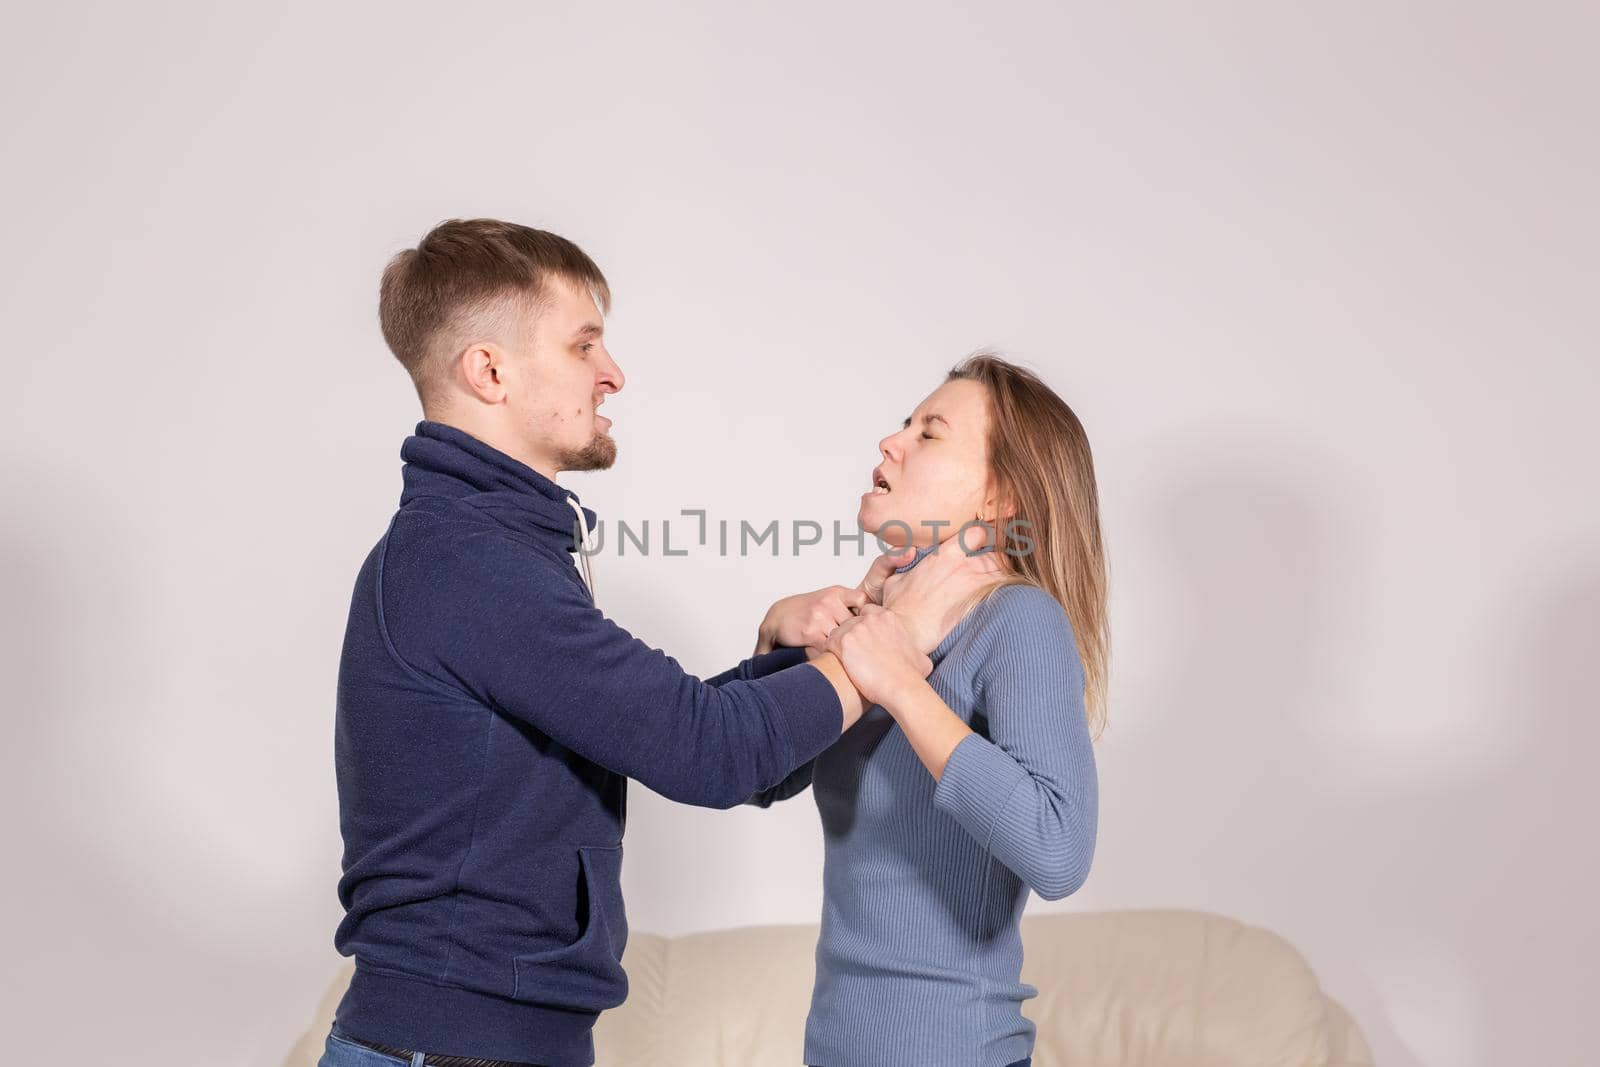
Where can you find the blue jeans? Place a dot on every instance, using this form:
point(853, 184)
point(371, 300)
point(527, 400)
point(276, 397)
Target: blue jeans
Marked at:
point(340, 1051)
point(1024, 1062)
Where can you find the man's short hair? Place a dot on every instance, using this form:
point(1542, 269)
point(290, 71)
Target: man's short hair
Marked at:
point(464, 281)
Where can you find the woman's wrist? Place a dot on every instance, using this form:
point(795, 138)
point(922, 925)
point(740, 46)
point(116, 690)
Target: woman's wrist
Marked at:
point(904, 693)
point(930, 726)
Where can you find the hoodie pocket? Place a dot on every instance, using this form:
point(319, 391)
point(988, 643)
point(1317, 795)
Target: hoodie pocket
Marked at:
point(586, 975)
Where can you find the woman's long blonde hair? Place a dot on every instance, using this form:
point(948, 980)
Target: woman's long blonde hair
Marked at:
point(1040, 460)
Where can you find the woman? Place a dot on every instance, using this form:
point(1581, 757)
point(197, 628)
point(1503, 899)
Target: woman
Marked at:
point(959, 792)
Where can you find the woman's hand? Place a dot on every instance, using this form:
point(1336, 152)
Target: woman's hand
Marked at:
point(880, 655)
point(806, 619)
point(935, 594)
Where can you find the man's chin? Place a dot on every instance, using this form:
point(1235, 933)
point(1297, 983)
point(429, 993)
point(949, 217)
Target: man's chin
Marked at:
point(598, 455)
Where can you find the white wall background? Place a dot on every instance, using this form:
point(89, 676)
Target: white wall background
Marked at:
point(1319, 280)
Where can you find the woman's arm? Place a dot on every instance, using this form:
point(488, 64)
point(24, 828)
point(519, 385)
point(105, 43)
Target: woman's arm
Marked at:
point(1029, 791)
point(884, 649)
point(935, 732)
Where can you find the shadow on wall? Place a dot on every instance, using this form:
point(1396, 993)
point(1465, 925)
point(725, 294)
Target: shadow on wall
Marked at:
point(1529, 839)
point(1241, 654)
point(1435, 907)
point(135, 893)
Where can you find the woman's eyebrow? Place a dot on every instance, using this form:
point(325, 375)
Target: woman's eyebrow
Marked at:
point(926, 419)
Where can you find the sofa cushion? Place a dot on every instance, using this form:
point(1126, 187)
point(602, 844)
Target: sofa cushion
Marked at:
point(1176, 988)
point(1116, 989)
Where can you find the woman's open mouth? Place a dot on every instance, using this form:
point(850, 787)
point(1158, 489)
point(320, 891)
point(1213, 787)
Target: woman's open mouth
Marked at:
point(880, 484)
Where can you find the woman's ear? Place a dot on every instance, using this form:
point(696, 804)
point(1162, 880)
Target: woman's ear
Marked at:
point(999, 504)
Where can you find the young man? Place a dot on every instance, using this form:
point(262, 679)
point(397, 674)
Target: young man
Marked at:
point(489, 714)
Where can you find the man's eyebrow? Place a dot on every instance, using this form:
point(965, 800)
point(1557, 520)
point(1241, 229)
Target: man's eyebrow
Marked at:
point(589, 329)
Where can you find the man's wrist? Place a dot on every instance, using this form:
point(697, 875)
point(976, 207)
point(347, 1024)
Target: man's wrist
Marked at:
point(852, 702)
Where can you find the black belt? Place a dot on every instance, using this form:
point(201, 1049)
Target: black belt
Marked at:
point(432, 1060)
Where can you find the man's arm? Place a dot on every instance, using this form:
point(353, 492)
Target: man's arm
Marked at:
point(767, 663)
point(851, 702)
point(759, 666)
point(798, 782)
point(477, 616)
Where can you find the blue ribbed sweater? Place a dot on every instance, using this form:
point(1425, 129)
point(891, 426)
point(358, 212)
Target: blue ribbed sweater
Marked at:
point(920, 951)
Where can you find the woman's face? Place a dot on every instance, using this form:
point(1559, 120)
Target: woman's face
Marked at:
point(934, 470)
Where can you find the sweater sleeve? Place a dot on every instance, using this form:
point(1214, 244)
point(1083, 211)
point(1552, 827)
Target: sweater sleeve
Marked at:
point(526, 640)
point(760, 666)
point(780, 658)
point(798, 781)
point(1028, 792)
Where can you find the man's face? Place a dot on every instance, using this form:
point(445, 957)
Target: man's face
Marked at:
point(564, 375)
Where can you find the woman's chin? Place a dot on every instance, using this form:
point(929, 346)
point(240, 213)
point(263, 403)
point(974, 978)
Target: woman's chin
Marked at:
point(890, 533)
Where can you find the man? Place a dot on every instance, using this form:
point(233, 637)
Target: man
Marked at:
point(489, 714)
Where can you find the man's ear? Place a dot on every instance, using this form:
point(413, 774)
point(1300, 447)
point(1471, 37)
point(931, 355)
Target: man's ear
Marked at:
point(481, 368)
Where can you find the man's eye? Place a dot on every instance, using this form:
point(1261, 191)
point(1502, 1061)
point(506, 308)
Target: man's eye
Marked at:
point(585, 348)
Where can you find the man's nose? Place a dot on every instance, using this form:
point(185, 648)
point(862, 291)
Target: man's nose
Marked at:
point(611, 375)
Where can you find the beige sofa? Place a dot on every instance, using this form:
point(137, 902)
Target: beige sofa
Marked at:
point(1116, 989)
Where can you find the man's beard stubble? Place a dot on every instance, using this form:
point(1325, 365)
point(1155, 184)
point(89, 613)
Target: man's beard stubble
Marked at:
point(597, 455)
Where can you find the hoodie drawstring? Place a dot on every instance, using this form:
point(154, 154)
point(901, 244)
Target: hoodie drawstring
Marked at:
point(583, 551)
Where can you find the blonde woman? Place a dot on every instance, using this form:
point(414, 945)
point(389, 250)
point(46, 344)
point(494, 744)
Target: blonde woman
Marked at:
point(961, 791)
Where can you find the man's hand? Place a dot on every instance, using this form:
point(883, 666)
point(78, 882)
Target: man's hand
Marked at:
point(935, 594)
point(883, 569)
point(806, 619)
point(879, 655)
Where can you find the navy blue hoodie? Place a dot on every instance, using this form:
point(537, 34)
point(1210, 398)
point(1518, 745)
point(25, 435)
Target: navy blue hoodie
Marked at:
point(488, 719)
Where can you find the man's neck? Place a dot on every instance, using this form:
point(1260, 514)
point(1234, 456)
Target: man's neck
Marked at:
point(490, 433)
